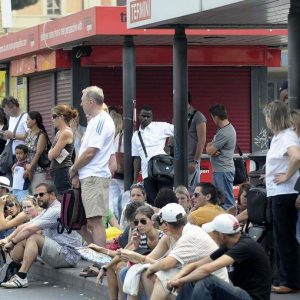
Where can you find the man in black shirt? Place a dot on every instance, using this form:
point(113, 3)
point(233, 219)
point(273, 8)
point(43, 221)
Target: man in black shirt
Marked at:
point(247, 263)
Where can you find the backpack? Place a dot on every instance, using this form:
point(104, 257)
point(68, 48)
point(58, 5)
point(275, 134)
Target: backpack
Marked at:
point(8, 270)
point(72, 212)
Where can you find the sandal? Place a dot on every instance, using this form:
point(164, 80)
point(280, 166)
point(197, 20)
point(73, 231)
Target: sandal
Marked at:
point(90, 271)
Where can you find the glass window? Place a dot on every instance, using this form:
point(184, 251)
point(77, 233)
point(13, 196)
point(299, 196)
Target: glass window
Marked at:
point(53, 7)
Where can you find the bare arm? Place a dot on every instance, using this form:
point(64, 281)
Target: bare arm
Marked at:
point(211, 149)
point(201, 135)
point(65, 137)
point(136, 168)
point(18, 220)
point(41, 145)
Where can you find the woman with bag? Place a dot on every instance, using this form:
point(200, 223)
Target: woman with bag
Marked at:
point(61, 151)
point(38, 142)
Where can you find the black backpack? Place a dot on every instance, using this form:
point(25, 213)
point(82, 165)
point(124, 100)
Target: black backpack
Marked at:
point(72, 212)
point(8, 270)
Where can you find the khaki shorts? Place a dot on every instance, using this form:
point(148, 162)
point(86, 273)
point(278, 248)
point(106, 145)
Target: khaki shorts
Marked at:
point(53, 255)
point(95, 195)
point(165, 276)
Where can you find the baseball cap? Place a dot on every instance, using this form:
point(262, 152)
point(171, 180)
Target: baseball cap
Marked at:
point(172, 212)
point(5, 182)
point(223, 223)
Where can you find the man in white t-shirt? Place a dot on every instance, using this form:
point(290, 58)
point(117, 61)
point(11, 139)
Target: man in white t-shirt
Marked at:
point(154, 135)
point(12, 108)
point(92, 164)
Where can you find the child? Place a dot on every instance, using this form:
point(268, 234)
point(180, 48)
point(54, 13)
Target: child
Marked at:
point(20, 176)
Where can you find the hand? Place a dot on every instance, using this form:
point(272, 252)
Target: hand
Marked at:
point(99, 279)
point(97, 248)
point(174, 283)
point(28, 167)
point(150, 272)
point(192, 167)
point(8, 135)
point(135, 238)
point(280, 178)
point(3, 201)
point(72, 172)
point(217, 153)
point(8, 247)
point(75, 182)
point(3, 242)
point(26, 174)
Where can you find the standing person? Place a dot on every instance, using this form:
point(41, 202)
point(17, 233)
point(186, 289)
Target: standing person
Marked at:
point(61, 151)
point(249, 268)
point(92, 164)
point(21, 180)
point(3, 127)
point(282, 165)
point(36, 140)
point(196, 142)
point(12, 108)
point(154, 135)
point(221, 150)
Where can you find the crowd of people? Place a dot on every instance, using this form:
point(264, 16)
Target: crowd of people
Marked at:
point(165, 242)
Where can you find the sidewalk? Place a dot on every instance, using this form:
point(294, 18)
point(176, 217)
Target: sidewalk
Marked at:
point(70, 278)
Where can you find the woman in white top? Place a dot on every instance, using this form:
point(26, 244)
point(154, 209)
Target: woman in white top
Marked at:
point(282, 165)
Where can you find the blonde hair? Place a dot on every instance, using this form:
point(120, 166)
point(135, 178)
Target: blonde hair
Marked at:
point(295, 119)
point(105, 107)
point(181, 189)
point(65, 110)
point(118, 121)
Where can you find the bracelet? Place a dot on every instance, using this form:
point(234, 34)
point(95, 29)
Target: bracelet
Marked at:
point(13, 242)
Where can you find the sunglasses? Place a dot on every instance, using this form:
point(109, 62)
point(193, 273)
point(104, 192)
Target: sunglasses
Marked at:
point(160, 221)
point(196, 195)
point(54, 116)
point(137, 185)
point(142, 221)
point(39, 194)
point(12, 204)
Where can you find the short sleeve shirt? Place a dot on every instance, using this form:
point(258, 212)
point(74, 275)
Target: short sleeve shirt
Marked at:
point(277, 162)
point(154, 137)
point(225, 141)
point(192, 132)
point(99, 134)
point(22, 129)
point(206, 213)
point(251, 269)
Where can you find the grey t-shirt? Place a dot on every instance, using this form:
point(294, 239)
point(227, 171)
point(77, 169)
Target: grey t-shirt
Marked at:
point(224, 140)
point(192, 133)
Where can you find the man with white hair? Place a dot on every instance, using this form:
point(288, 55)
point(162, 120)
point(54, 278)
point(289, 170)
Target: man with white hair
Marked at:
point(92, 164)
point(247, 262)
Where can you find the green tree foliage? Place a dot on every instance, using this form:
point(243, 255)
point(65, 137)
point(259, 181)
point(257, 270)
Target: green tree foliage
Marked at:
point(19, 4)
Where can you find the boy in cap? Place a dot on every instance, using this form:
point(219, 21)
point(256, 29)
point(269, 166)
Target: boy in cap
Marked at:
point(182, 243)
point(248, 267)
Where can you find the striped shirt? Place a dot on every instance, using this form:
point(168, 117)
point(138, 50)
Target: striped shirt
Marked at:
point(144, 241)
point(47, 221)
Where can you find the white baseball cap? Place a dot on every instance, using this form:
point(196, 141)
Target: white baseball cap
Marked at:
point(5, 182)
point(223, 223)
point(172, 212)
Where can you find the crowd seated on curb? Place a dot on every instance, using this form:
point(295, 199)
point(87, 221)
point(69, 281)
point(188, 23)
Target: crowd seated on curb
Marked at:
point(165, 241)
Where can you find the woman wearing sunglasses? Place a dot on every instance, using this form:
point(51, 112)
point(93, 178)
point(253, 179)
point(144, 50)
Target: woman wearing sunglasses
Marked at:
point(11, 214)
point(61, 151)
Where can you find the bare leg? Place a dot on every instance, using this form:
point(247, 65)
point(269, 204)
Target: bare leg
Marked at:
point(159, 292)
point(120, 266)
point(18, 252)
point(148, 284)
point(112, 283)
point(97, 229)
point(86, 234)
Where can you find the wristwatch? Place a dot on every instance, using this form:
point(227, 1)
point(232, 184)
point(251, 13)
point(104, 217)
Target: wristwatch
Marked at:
point(103, 268)
point(196, 162)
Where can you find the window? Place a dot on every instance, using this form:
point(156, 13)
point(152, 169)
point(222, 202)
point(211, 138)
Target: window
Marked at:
point(53, 7)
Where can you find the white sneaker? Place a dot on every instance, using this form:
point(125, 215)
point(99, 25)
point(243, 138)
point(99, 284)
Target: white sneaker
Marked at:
point(15, 282)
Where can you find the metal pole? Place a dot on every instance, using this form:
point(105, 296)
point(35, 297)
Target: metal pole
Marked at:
point(129, 92)
point(294, 54)
point(180, 92)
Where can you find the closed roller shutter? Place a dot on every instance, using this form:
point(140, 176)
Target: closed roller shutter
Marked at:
point(41, 98)
point(229, 86)
point(64, 87)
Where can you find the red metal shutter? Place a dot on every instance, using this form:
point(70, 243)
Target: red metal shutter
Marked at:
point(229, 86)
point(41, 98)
point(64, 87)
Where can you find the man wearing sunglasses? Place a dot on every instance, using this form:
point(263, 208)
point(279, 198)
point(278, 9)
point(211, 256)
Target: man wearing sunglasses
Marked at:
point(24, 244)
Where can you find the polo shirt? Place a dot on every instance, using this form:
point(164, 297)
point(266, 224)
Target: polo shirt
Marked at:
point(154, 137)
point(206, 213)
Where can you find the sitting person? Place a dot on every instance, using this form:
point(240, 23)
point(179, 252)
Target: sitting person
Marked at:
point(24, 244)
point(183, 197)
point(164, 197)
point(207, 199)
point(249, 268)
point(182, 243)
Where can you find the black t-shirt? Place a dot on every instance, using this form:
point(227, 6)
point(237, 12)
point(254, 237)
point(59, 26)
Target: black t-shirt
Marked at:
point(251, 268)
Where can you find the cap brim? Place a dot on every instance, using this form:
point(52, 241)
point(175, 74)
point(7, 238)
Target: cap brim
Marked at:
point(208, 227)
point(6, 187)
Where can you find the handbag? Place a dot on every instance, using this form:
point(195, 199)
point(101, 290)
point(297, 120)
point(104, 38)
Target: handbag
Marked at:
point(6, 157)
point(160, 167)
point(240, 174)
point(44, 162)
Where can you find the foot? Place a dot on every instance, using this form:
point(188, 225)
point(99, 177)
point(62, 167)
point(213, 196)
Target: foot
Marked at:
point(282, 290)
point(15, 282)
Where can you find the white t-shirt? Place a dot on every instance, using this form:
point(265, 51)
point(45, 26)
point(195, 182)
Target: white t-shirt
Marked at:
point(154, 137)
point(22, 129)
point(99, 134)
point(277, 162)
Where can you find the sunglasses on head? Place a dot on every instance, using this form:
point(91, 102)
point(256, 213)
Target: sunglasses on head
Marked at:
point(142, 221)
point(12, 204)
point(39, 194)
point(137, 185)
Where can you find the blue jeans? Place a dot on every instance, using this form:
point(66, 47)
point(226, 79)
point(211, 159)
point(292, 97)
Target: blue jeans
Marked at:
point(224, 182)
point(298, 228)
point(212, 288)
point(20, 195)
point(194, 178)
point(122, 275)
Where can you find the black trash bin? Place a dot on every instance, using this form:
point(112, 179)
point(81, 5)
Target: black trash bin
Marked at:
point(259, 157)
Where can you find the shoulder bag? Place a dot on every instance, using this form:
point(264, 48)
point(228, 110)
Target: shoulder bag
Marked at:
point(43, 161)
point(160, 167)
point(240, 175)
point(6, 157)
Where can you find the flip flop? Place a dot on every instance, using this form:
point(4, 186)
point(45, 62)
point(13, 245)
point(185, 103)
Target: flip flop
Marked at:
point(90, 271)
